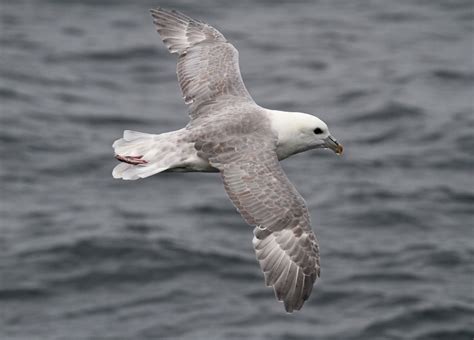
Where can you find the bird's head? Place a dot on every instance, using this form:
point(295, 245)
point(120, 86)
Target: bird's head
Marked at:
point(298, 132)
point(316, 134)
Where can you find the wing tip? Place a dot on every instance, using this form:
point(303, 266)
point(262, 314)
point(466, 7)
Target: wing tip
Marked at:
point(291, 306)
point(160, 12)
point(294, 301)
point(156, 11)
point(172, 26)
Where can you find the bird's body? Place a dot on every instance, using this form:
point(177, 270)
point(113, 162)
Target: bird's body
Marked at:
point(229, 133)
point(282, 125)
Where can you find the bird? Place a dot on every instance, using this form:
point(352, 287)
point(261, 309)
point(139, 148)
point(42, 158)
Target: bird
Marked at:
point(230, 134)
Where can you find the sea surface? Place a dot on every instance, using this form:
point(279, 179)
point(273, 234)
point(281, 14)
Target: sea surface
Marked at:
point(84, 256)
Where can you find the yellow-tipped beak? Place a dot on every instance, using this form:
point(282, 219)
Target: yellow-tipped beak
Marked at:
point(332, 143)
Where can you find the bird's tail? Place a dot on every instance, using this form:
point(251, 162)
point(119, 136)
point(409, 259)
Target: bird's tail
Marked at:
point(142, 154)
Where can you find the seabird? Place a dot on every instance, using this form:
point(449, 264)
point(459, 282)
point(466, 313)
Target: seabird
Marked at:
point(229, 133)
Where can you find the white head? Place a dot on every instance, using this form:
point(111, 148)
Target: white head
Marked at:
point(298, 132)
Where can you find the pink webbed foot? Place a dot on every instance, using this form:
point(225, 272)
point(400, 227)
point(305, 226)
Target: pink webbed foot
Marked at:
point(134, 160)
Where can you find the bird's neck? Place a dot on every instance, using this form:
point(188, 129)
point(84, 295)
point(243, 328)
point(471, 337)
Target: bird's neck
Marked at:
point(287, 126)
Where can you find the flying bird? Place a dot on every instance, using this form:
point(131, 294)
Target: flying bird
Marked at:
point(229, 133)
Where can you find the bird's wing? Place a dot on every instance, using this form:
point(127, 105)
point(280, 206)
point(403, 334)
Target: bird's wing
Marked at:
point(208, 66)
point(284, 243)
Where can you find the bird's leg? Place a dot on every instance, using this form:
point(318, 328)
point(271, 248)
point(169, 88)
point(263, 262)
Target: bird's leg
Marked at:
point(134, 160)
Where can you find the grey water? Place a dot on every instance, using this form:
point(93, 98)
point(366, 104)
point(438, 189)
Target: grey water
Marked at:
point(84, 256)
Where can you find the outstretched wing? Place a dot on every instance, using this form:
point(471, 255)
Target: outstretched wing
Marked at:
point(208, 66)
point(284, 243)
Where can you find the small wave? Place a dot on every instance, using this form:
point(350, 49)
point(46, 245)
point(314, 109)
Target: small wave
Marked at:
point(38, 79)
point(20, 43)
point(334, 296)
point(443, 193)
point(73, 31)
point(463, 77)
point(173, 295)
point(389, 111)
point(20, 293)
point(139, 52)
point(363, 256)
point(9, 139)
point(451, 6)
point(316, 65)
point(72, 98)
point(74, 164)
point(466, 16)
point(210, 209)
point(10, 20)
point(108, 261)
point(352, 95)
point(398, 17)
point(331, 298)
point(141, 228)
point(124, 23)
point(385, 276)
point(458, 162)
point(106, 84)
point(445, 258)
point(369, 193)
point(265, 46)
point(436, 316)
point(382, 136)
point(447, 334)
point(465, 143)
point(11, 94)
point(106, 120)
point(404, 301)
point(387, 218)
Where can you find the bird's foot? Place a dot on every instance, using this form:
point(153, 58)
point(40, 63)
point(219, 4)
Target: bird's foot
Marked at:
point(134, 160)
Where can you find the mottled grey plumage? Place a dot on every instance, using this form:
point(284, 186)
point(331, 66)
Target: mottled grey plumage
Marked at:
point(228, 132)
point(208, 66)
point(285, 246)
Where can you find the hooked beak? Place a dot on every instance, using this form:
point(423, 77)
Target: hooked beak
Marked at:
point(331, 143)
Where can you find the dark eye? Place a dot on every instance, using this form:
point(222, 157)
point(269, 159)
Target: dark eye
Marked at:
point(318, 131)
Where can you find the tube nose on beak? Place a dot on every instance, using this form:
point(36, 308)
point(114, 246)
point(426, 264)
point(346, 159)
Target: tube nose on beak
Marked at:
point(333, 144)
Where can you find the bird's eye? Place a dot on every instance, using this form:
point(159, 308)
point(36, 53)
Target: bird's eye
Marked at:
point(318, 131)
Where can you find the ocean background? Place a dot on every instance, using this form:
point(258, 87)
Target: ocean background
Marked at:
point(84, 256)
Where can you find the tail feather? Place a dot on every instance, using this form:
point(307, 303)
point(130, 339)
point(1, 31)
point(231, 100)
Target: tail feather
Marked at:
point(132, 172)
point(159, 151)
point(133, 142)
point(130, 135)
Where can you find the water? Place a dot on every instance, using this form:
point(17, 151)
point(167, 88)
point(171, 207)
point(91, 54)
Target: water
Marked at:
point(83, 256)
